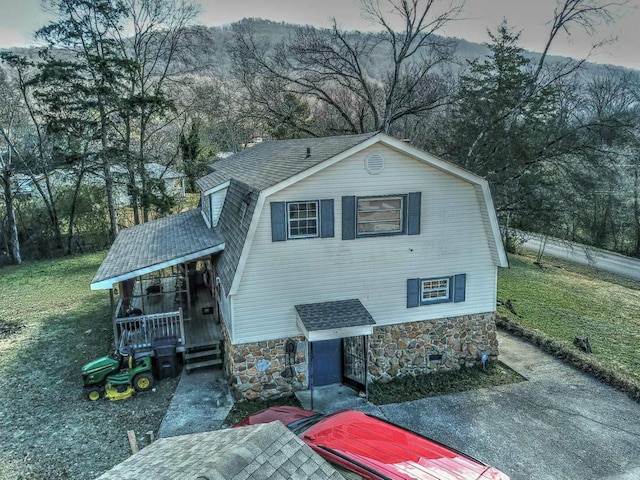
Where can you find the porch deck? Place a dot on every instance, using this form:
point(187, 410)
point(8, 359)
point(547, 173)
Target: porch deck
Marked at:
point(191, 318)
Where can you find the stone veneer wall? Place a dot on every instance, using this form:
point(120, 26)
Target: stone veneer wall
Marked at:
point(260, 370)
point(257, 370)
point(404, 349)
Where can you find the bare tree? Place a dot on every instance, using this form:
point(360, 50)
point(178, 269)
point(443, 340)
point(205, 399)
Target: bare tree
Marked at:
point(157, 51)
point(368, 81)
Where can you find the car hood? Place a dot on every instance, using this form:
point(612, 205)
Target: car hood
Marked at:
point(285, 415)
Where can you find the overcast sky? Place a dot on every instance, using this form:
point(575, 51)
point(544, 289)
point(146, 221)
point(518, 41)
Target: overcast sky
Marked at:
point(20, 18)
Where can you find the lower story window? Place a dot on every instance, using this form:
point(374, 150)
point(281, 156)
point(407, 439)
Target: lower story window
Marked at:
point(430, 291)
point(435, 289)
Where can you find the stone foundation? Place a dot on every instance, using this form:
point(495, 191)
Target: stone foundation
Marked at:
point(431, 345)
point(263, 370)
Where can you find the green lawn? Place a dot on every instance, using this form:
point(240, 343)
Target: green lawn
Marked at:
point(560, 301)
point(51, 323)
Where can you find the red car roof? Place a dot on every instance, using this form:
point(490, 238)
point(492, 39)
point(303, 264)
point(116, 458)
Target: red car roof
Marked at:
point(352, 437)
point(391, 450)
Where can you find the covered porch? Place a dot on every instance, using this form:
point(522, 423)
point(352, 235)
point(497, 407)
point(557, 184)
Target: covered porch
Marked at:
point(168, 303)
point(161, 279)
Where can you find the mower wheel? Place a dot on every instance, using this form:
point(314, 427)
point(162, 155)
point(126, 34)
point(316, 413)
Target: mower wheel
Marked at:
point(93, 393)
point(143, 382)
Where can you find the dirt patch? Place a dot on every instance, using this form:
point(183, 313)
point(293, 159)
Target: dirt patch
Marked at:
point(9, 327)
point(404, 389)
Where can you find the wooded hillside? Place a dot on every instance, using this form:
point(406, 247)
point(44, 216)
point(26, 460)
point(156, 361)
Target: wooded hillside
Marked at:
point(557, 138)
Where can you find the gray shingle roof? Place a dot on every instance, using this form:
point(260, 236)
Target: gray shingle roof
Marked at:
point(271, 162)
point(157, 242)
point(268, 451)
point(338, 314)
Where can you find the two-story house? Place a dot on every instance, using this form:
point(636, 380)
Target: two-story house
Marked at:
point(340, 259)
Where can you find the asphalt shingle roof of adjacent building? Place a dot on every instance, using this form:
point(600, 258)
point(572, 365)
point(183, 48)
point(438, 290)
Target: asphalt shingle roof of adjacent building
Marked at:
point(266, 452)
point(337, 314)
point(157, 242)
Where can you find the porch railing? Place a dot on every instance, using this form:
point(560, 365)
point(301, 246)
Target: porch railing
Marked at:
point(139, 332)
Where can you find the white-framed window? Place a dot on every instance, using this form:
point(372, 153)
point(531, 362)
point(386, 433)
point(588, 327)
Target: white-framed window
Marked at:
point(302, 219)
point(435, 290)
point(380, 215)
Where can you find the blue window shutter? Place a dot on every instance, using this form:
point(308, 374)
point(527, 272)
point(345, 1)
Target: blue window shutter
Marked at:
point(278, 222)
point(348, 218)
point(326, 219)
point(413, 292)
point(413, 217)
point(460, 286)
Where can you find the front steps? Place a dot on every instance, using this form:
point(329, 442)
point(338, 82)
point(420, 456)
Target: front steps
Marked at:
point(203, 356)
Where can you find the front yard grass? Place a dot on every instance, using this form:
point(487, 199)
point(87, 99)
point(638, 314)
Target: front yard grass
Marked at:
point(51, 323)
point(553, 303)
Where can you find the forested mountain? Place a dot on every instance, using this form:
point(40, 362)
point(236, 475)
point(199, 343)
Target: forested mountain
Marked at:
point(557, 138)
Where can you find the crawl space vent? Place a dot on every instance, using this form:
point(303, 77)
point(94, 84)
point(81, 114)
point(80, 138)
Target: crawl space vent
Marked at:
point(374, 163)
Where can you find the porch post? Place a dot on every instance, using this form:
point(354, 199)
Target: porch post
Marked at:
point(311, 372)
point(365, 339)
point(114, 315)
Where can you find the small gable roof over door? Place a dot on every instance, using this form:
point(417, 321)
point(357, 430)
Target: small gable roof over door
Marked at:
point(337, 319)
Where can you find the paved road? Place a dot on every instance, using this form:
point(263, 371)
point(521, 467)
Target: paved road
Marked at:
point(610, 262)
point(559, 424)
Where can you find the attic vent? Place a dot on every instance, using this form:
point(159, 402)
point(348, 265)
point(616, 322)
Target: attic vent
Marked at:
point(374, 163)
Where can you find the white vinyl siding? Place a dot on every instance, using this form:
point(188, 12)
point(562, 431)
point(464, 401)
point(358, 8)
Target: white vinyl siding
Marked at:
point(217, 201)
point(279, 275)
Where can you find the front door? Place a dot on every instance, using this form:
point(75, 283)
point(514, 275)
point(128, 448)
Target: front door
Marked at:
point(327, 362)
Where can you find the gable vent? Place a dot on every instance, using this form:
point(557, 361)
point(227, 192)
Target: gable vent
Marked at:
point(374, 163)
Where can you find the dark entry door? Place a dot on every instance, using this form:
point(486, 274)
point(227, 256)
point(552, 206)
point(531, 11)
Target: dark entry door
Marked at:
point(355, 362)
point(327, 362)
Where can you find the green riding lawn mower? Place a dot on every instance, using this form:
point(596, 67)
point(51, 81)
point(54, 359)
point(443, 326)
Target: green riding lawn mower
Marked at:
point(117, 376)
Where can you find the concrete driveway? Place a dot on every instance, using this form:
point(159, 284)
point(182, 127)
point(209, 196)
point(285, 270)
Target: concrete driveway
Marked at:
point(559, 424)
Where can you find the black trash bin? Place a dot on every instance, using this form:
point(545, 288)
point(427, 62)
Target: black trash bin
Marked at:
point(165, 363)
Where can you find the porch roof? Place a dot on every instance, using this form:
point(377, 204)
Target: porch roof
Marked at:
point(337, 319)
point(155, 245)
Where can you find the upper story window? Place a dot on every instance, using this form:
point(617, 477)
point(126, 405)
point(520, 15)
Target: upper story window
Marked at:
point(302, 219)
point(380, 215)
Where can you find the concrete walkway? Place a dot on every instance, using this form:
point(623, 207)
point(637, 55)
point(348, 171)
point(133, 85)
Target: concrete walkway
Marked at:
point(200, 403)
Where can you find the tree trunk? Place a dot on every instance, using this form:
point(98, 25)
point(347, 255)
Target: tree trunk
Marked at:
point(108, 180)
point(14, 252)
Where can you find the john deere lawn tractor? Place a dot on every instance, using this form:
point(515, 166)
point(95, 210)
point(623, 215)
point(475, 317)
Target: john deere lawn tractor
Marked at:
point(117, 376)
